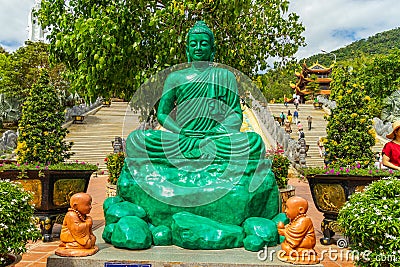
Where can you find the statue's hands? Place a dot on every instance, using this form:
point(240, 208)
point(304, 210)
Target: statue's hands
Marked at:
point(281, 228)
point(193, 134)
point(89, 220)
point(217, 130)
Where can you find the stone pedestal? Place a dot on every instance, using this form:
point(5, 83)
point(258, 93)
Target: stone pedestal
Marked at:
point(160, 256)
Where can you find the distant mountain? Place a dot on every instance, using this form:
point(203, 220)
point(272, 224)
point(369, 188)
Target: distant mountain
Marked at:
point(380, 43)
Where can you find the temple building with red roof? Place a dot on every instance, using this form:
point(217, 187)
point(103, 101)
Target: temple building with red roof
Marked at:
point(316, 73)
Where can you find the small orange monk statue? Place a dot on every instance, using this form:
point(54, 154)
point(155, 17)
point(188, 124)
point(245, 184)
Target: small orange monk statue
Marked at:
point(77, 239)
point(298, 247)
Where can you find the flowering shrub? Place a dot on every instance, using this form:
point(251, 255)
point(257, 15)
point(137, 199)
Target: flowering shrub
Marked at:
point(41, 136)
point(16, 220)
point(350, 132)
point(356, 169)
point(114, 163)
point(280, 166)
point(371, 221)
point(42, 166)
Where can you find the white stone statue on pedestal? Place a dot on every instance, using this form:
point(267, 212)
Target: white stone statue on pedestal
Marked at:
point(35, 31)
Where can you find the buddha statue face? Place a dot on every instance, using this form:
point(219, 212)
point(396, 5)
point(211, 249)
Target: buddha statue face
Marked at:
point(199, 47)
point(200, 43)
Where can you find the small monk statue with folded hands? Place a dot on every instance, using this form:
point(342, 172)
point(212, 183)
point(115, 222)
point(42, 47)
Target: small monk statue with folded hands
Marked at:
point(299, 243)
point(77, 239)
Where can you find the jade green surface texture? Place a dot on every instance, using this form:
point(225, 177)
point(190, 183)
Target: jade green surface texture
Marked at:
point(197, 232)
point(200, 176)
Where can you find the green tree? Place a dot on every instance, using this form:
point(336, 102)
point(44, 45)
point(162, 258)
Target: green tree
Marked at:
point(41, 136)
point(111, 47)
point(313, 86)
point(381, 76)
point(350, 132)
point(275, 84)
point(21, 69)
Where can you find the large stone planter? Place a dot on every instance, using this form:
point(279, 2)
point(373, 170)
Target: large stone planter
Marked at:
point(14, 258)
point(329, 193)
point(285, 194)
point(52, 191)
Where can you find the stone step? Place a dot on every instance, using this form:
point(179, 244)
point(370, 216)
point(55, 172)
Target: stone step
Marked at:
point(92, 138)
point(318, 128)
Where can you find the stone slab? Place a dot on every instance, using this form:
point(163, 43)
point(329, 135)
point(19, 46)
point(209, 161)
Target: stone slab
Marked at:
point(170, 256)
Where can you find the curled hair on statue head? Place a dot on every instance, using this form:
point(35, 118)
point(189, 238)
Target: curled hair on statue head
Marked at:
point(201, 27)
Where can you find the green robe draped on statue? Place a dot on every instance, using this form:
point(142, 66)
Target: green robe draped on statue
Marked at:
point(208, 112)
point(203, 164)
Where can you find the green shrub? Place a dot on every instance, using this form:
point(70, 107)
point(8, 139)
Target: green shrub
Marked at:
point(41, 136)
point(371, 221)
point(16, 220)
point(350, 132)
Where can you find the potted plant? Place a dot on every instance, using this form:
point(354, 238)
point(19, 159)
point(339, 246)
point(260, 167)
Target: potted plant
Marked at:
point(280, 168)
point(41, 154)
point(16, 222)
point(114, 163)
point(370, 220)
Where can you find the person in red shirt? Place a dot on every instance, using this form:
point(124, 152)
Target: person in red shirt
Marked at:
point(391, 150)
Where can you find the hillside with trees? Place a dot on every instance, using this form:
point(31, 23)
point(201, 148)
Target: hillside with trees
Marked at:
point(381, 48)
point(380, 43)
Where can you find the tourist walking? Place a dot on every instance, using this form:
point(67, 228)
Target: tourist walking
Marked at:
point(309, 121)
point(288, 127)
point(289, 117)
point(282, 118)
point(296, 103)
point(301, 133)
point(296, 116)
point(320, 144)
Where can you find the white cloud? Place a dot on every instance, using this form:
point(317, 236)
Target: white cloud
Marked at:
point(14, 22)
point(332, 24)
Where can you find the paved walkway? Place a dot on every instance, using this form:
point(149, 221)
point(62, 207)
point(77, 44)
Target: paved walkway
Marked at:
point(318, 128)
point(94, 144)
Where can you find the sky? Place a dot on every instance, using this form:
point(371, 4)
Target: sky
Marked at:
point(330, 24)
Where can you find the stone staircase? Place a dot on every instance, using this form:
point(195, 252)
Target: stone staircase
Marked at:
point(318, 128)
point(92, 138)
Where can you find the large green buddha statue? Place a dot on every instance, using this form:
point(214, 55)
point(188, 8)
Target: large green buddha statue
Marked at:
point(200, 163)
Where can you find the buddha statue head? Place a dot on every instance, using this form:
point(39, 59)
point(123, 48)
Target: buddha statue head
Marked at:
point(200, 43)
